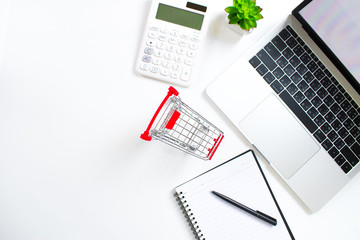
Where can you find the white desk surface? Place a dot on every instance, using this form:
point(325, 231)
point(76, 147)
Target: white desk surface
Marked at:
point(72, 108)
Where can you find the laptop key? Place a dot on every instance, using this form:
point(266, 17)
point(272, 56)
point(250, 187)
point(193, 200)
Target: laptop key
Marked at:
point(254, 61)
point(277, 87)
point(333, 152)
point(298, 50)
point(312, 112)
point(326, 128)
point(295, 61)
point(319, 120)
point(340, 160)
point(330, 117)
point(303, 86)
point(299, 97)
point(306, 105)
point(273, 52)
point(316, 101)
point(296, 109)
point(349, 155)
point(348, 124)
point(355, 132)
point(325, 82)
point(333, 136)
point(327, 144)
point(336, 125)
point(305, 58)
point(269, 78)
point(312, 66)
point(356, 149)
point(288, 53)
point(284, 34)
point(296, 78)
point(315, 85)
point(282, 62)
point(289, 70)
point(335, 108)
point(266, 59)
point(329, 101)
point(343, 132)
point(279, 43)
point(292, 89)
point(346, 167)
point(301, 69)
point(320, 136)
point(278, 73)
point(308, 77)
point(291, 42)
point(285, 81)
point(262, 70)
point(319, 74)
point(339, 144)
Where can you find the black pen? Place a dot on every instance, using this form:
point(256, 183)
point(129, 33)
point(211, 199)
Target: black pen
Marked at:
point(256, 213)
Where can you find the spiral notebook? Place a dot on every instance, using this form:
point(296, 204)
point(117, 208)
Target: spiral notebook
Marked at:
point(243, 180)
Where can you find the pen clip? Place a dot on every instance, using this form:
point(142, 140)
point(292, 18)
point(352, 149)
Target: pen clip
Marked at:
point(267, 218)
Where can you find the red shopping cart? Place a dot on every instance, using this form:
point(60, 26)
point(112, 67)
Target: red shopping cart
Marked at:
point(178, 125)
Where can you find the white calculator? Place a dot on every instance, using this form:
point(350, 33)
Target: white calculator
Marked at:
point(172, 41)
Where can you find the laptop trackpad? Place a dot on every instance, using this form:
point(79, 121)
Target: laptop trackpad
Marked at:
point(279, 136)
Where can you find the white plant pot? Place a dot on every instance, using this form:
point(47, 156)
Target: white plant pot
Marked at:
point(237, 28)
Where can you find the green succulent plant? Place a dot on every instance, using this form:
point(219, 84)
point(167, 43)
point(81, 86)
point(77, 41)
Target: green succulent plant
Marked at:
point(245, 13)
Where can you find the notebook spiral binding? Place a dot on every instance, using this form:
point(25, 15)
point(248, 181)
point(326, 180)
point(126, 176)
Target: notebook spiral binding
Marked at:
point(190, 218)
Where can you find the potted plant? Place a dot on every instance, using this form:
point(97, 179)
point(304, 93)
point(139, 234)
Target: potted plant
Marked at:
point(243, 15)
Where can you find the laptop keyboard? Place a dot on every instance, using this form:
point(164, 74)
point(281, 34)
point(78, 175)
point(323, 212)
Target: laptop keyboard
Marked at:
point(308, 88)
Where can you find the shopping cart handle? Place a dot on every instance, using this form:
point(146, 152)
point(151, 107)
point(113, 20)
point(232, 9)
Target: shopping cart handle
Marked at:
point(145, 136)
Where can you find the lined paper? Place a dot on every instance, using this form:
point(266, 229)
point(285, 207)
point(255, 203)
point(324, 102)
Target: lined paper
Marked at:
point(241, 180)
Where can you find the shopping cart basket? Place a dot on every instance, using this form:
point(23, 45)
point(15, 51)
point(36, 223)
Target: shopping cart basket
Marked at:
point(178, 125)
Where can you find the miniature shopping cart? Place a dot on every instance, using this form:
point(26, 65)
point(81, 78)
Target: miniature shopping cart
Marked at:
point(178, 125)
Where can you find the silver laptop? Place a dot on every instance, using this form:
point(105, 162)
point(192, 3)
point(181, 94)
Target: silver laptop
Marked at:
point(295, 97)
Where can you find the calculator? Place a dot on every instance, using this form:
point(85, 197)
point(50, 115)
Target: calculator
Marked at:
point(172, 41)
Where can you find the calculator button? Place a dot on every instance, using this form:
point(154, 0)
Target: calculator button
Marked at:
point(165, 72)
point(193, 46)
point(150, 43)
point(176, 67)
point(183, 43)
point(191, 54)
point(184, 36)
point(154, 28)
point(189, 62)
point(171, 48)
point(157, 61)
point(144, 66)
point(152, 35)
point(181, 51)
point(169, 56)
point(149, 51)
point(154, 69)
point(146, 59)
point(185, 75)
point(195, 38)
point(164, 31)
point(174, 74)
point(166, 64)
point(174, 33)
point(158, 53)
point(160, 45)
point(172, 40)
point(179, 59)
point(162, 37)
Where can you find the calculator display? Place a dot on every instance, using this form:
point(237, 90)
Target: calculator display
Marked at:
point(179, 16)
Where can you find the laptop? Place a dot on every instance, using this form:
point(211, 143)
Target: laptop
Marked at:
point(295, 96)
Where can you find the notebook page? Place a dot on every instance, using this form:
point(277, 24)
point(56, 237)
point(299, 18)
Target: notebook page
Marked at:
point(241, 180)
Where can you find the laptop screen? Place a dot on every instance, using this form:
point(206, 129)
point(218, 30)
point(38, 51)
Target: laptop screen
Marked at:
point(337, 23)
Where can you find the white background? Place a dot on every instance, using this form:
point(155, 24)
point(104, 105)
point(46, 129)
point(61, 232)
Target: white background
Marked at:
point(72, 108)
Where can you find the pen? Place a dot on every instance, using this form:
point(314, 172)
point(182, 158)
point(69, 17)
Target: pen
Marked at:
point(256, 213)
